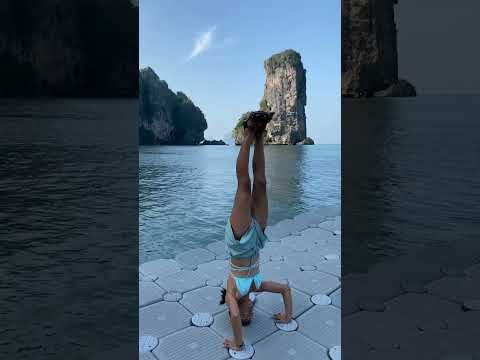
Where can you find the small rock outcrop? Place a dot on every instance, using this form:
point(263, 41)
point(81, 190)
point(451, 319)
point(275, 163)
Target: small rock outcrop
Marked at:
point(369, 47)
point(166, 117)
point(212, 142)
point(307, 141)
point(402, 88)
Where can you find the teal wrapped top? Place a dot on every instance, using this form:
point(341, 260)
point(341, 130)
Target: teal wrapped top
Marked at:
point(249, 244)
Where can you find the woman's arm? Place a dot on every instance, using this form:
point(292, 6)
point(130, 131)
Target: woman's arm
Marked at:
point(274, 287)
point(236, 323)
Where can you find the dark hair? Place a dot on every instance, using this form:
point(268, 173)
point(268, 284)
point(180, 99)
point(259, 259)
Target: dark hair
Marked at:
point(224, 294)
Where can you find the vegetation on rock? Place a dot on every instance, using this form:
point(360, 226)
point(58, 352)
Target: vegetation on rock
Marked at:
point(166, 117)
point(280, 59)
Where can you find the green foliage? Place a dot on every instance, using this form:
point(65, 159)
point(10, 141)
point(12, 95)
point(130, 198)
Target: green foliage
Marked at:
point(187, 116)
point(264, 105)
point(237, 132)
point(288, 56)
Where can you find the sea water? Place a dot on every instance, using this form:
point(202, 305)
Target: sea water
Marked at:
point(186, 193)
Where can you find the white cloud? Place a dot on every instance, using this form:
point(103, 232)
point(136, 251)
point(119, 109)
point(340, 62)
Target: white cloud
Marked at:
point(203, 43)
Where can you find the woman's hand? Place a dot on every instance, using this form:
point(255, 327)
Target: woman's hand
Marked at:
point(282, 318)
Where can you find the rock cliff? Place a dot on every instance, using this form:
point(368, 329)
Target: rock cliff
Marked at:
point(369, 49)
point(285, 94)
point(166, 117)
point(67, 48)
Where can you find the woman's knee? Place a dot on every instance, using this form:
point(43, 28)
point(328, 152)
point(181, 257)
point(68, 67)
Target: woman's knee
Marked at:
point(244, 185)
point(260, 182)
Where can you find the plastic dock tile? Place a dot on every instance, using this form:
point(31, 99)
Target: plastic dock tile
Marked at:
point(147, 356)
point(163, 318)
point(287, 346)
point(195, 257)
point(322, 325)
point(288, 327)
point(192, 343)
point(473, 270)
point(147, 343)
point(313, 282)
point(183, 281)
point(423, 307)
point(321, 299)
point(332, 224)
point(273, 303)
point(307, 240)
point(172, 296)
point(279, 230)
point(149, 293)
point(216, 269)
point(379, 332)
point(261, 326)
point(205, 299)
point(303, 221)
point(278, 270)
point(160, 268)
point(456, 289)
point(191, 286)
point(275, 249)
point(303, 258)
point(336, 297)
point(203, 319)
point(307, 267)
point(332, 267)
point(217, 247)
point(335, 352)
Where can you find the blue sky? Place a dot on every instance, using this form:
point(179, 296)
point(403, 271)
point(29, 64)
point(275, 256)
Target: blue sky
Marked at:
point(213, 51)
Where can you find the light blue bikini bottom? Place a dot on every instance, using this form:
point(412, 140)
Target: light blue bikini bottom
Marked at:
point(244, 283)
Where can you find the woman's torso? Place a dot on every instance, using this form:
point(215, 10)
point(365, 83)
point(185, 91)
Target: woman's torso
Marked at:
point(252, 263)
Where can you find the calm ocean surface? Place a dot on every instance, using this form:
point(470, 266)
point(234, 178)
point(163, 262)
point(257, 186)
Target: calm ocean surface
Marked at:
point(69, 226)
point(186, 192)
point(410, 176)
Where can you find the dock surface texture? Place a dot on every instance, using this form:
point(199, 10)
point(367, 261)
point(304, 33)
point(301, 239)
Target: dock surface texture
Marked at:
point(304, 251)
point(424, 304)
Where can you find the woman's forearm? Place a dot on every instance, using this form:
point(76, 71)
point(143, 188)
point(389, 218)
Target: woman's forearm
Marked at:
point(235, 320)
point(287, 301)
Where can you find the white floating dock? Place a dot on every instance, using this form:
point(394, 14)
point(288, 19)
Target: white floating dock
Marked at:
point(303, 252)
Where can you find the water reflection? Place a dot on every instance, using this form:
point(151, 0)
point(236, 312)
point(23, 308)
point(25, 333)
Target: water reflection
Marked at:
point(410, 176)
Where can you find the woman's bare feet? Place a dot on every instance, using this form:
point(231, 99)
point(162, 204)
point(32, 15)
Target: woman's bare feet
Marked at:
point(257, 121)
point(282, 318)
point(230, 343)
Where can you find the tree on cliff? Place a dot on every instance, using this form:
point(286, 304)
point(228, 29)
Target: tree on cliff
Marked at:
point(166, 117)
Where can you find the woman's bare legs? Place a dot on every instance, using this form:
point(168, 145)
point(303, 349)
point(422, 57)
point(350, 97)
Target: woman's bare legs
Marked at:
point(259, 194)
point(241, 216)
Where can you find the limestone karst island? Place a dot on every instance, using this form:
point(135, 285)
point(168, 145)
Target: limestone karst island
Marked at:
point(369, 50)
point(168, 118)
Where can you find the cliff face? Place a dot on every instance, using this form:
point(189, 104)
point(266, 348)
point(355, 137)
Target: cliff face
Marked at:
point(285, 94)
point(66, 48)
point(166, 117)
point(369, 46)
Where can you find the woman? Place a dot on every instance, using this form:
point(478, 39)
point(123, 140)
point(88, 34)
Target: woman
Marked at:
point(245, 231)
